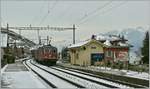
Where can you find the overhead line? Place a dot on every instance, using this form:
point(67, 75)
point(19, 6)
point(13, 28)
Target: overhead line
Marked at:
point(104, 12)
point(61, 16)
point(49, 10)
point(94, 11)
point(34, 18)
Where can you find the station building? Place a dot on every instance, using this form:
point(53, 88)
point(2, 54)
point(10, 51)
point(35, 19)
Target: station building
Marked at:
point(99, 50)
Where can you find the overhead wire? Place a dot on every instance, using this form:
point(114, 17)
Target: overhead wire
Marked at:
point(40, 10)
point(95, 10)
point(49, 10)
point(117, 6)
point(62, 14)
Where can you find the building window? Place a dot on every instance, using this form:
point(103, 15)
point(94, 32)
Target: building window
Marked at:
point(109, 53)
point(84, 48)
point(93, 47)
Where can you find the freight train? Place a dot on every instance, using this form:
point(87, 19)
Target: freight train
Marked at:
point(46, 54)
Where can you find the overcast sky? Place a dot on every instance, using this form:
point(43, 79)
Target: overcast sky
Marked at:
point(90, 17)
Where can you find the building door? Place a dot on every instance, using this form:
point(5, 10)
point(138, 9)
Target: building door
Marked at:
point(96, 57)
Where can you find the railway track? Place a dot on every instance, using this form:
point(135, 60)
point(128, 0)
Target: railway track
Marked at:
point(108, 85)
point(100, 77)
point(49, 83)
point(52, 84)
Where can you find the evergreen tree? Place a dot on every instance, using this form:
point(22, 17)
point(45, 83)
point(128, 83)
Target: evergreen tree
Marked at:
point(119, 36)
point(145, 49)
point(122, 37)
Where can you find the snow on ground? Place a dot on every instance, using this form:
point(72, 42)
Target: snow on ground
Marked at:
point(16, 76)
point(82, 81)
point(140, 75)
point(143, 75)
point(53, 79)
point(96, 79)
point(3, 69)
point(22, 79)
point(75, 79)
point(129, 73)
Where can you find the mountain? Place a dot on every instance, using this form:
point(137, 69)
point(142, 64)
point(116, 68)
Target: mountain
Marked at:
point(135, 36)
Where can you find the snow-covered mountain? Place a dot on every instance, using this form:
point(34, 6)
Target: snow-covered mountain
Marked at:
point(135, 36)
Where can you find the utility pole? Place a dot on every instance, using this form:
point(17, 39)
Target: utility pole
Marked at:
point(7, 35)
point(74, 34)
point(38, 36)
point(40, 41)
point(48, 40)
point(7, 42)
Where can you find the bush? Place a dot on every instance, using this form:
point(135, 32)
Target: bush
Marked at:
point(108, 64)
point(138, 68)
point(3, 63)
point(120, 66)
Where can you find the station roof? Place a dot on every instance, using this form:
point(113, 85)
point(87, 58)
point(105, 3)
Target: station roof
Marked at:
point(106, 44)
point(84, 43)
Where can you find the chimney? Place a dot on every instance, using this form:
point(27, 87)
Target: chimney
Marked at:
point(93, 37)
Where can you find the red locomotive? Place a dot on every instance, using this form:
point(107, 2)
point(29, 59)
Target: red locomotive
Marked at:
point(46, 54)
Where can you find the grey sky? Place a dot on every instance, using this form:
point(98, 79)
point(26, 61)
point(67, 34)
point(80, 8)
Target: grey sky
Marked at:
point(117, 15)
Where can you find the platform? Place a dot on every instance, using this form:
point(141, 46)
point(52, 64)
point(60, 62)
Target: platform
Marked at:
point(16, 67)
point(16, 75)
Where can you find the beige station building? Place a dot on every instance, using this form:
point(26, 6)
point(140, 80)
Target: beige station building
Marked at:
point(92, 51)
point(82, 53)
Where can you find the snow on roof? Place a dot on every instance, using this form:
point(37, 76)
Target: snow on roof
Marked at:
point(79, 44)
point(107, 37)
point(123, 44)
point(107, 42)
point(115, 38)
point(101, 37)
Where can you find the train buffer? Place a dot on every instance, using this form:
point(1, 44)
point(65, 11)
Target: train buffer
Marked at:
point(16, 75)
